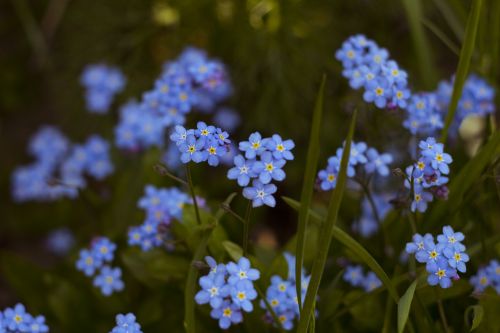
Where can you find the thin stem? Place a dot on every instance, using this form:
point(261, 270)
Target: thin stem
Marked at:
point(246, 228)
point(269, 308)
point(162, 170)
point(228, 209)
point(441, 312)
point(193, 195)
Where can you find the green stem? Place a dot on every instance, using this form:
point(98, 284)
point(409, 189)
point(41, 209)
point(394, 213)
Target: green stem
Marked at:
point(246, 228)
point(269, 308)
point(441, 312)
point(193, 195)
point(162, 170)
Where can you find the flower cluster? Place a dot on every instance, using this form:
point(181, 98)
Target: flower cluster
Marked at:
point(262, 163)
point(355, 277)
point(367, 66)
point(282, 295)
point(487, 276)
point(94, 259)
point(126, 323)
point(16, 319)
point(423, 114)
point(161, 205)
point(367, 225)
point(360, 156)
point(428, 175)
point(443, 260)
point(137, 129)
point(206, 143)
point(426, 111)
point(192, 81)
point(229, 290)
point(59, 167)
point(101, 82)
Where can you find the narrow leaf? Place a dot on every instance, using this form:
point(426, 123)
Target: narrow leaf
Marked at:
point(463, 63)
point(477, 316)
point(308, 186)
point(451, 18)
point(354, 246)
point(326, 235)
point(404, 306)
point(422, 47)
point(441, 36)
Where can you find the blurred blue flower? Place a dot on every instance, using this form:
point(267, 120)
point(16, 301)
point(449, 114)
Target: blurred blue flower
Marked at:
point(126, 323)
point(260, 194)
point(109, 280)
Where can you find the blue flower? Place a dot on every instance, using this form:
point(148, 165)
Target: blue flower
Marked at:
point(227, 314)
point(371, 282)
point(88, 263)
point(37, 325)
point(227, 118)
point(451, 239)
point(440, 273)
point(420, 199)
point(203, 130)
point(269, 168)
point(103, 249)
point(354, 275)
point(328, 177)
point(377, 162)
point(280, 149)
point(126, 323)
point(214, 290)
point(192, 150)
point(102, 83)
point(418, 243)
point(456, 259)
point(242, 170)
point(241, 271)
point(260, 194)
point(379, 92)
point(109, 280)
point(430, 254)
point(254, 146)
point(438, 159)
point(242, 294)
point(17, 319)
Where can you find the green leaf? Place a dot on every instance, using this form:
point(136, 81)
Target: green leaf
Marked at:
point(326, 234)
point(463, 64)
point(355, 247)
point(233, 249)
point(404, 306)
point(308, 186)
point(441, 36)
point(477, 316)
point(421, 43)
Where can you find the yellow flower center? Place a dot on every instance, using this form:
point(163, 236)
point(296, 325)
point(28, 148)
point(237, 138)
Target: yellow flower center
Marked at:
point(241, 295)
point(421, 165)
point(282, 318)
point(350, 54)
point(483, 281)
point(457, 257)
point(395, 72)
point(379, 91)
point(439, 157)
point(104, 249)
point(18, 318)
point(243, 274)
point(89, 261)
point(275, 303)
point(399, 94)
point(109, 279)
point(418, 197)
point(172, 111)
point(227, 312)
point(191, 149)
point(202, 69)
point(183, 97)
point(433, 254)
point(164, 88)
point(420, 105)
point(282, 287)
point(212, 150)
point(441, 273)
point(204, 132)
point(280, 147)
point(269, 167)
point(255, 145)
point(331, 177)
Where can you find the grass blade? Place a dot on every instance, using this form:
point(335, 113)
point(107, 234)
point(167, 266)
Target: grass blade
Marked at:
point(189, 290)
point(463, 63)
point(404, 306)
point(354, 246)
point(455, 24)
point(441, 36)
point(308, 187)
point(326, 235)
point(422, 47)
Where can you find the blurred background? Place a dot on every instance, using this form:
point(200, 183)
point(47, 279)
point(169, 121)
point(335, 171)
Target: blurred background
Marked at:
point(275, 51)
